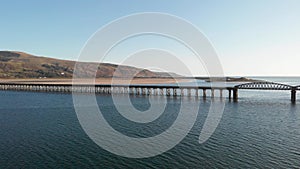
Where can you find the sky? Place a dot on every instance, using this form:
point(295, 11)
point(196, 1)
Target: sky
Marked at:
point(251, 37)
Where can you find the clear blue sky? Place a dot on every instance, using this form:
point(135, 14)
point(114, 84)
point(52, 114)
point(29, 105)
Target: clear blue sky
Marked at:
point(252, 37)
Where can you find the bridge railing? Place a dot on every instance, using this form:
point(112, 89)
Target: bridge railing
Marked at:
point(264, 86)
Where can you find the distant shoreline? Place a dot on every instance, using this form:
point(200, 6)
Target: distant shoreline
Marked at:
point(139, 80)
point(103, 81)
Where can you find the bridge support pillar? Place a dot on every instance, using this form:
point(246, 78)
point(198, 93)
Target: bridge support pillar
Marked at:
point(229, 94)
point(235, 94)
point(293, 95)
point(162, 91)
point(181, 91)
point(149, 91)
point(168, 92)
point(212, 93)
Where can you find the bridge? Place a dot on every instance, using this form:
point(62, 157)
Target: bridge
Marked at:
point(167, 90)
point(268, 86)
point(264, 86)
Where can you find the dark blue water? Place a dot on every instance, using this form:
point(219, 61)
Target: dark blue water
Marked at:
point(41, 130)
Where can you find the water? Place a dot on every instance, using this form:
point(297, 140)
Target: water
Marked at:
point(41, 130)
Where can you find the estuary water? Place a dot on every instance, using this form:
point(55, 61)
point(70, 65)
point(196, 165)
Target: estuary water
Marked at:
point(261, 130)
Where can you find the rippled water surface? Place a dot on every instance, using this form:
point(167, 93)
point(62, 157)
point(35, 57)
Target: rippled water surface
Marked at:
point(40, 130)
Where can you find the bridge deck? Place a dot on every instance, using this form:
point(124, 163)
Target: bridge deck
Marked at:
point(151, 88)
point(158, 86)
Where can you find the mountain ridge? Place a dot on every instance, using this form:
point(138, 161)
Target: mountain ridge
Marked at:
point(16, 64)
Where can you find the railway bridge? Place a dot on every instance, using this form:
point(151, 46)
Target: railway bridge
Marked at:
point(167, 90)
point(267, 86)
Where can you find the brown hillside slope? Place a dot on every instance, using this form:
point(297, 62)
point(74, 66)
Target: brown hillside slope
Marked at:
point(23, 65)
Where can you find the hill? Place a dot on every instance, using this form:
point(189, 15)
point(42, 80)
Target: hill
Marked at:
point(23, 65)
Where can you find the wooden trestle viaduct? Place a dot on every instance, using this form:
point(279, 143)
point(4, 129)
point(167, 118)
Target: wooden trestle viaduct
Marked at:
point(167, 90)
